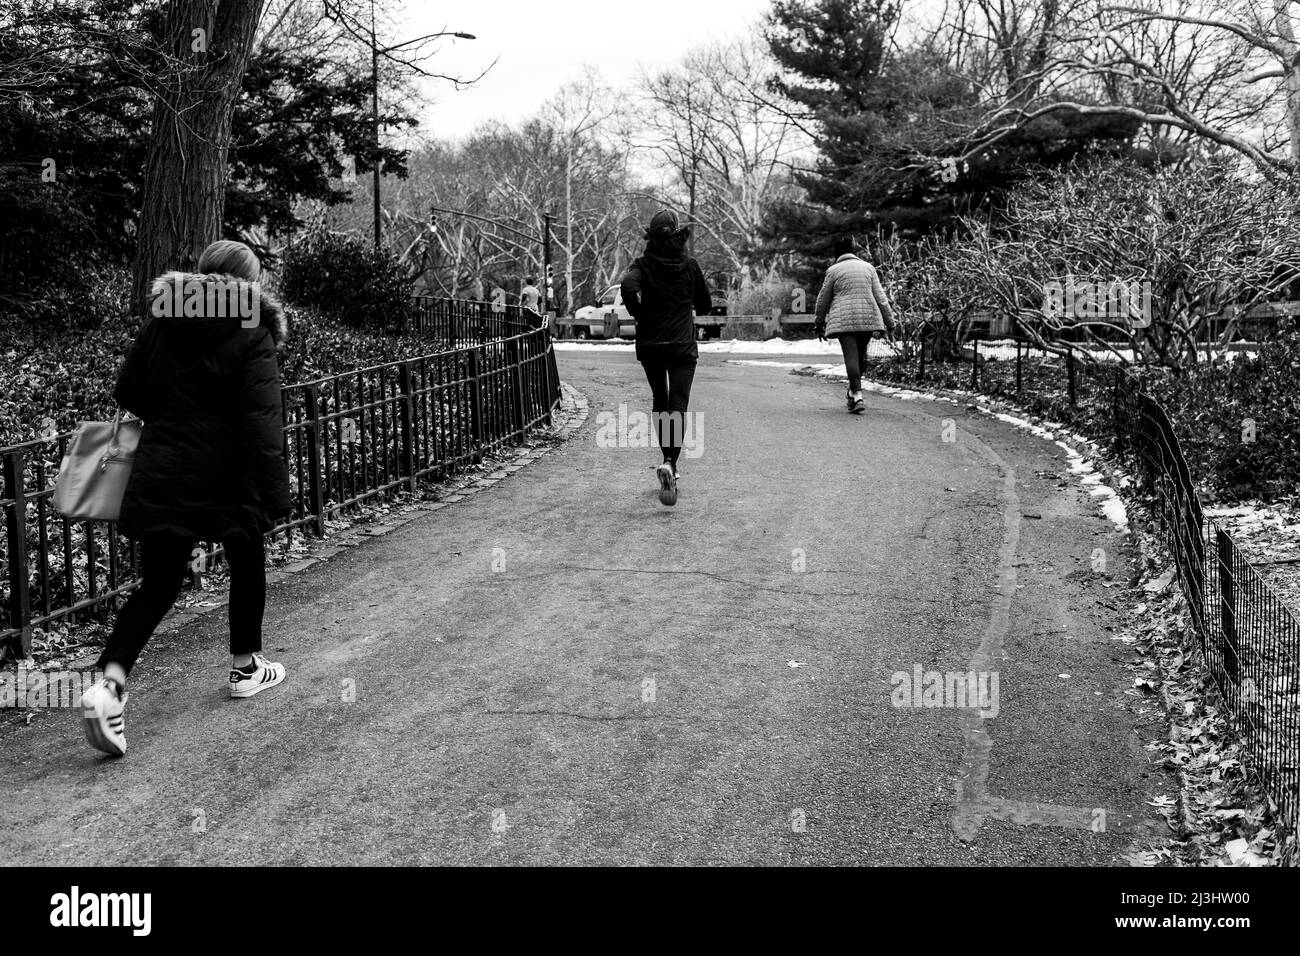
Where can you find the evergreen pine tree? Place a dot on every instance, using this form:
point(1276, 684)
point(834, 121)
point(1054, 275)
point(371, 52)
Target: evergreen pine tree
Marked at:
point(893, 126)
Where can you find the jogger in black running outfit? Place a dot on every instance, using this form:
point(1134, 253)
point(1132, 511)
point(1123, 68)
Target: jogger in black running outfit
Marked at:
point(663, 290)
point(670, 389)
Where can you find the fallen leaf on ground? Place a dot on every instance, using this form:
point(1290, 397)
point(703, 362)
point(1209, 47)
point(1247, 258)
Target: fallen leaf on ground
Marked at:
point(1156, 585)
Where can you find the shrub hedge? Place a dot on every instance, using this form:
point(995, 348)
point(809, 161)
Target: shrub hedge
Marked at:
point(59, 358)
point(347, 278)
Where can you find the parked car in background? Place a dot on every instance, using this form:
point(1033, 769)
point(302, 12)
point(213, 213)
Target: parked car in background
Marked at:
point(607, 319)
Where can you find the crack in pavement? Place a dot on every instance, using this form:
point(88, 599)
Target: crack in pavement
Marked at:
point(567, 713)
point(974, 803)
point(560, 568)
point(1032, 813)
point(694, 573)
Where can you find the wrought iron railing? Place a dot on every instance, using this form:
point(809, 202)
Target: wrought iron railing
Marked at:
point(349, 438)
point(1249, 640)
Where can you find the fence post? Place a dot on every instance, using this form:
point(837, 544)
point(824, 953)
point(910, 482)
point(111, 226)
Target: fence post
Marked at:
point(1197, 567)
point(16, 526)
point(1120, 425)
point(921, 374)
point(975, 364)
point(1019, 353)
point(475, 401)
point(408, 423)
point(1227, 607)
point(548, 370)
point(516, 385)
point(1069, 369)
point(315, 484)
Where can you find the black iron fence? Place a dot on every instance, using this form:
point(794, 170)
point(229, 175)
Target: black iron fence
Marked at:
point(1070, 386)
point(1249, 639)
point(349, 438)
point(463, 322)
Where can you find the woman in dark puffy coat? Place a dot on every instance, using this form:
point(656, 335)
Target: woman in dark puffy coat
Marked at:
point(204, 376)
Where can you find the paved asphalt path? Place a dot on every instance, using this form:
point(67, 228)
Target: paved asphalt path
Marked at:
point(560, 670)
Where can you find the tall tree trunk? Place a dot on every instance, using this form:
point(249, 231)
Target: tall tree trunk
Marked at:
point(568, 217)
point(184, 196)
point(1291, 72)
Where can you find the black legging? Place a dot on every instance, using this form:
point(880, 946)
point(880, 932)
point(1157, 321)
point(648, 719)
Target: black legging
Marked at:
point(854, 346)
point(670, 384)
point(164, 559)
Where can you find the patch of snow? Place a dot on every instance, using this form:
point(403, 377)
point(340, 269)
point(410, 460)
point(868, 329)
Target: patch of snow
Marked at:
point(769, 363)
point(836, 373)
point(878, 349)
point(997, 350)
point(1113, 508)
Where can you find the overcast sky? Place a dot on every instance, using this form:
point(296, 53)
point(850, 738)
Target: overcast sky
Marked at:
point(543, 44)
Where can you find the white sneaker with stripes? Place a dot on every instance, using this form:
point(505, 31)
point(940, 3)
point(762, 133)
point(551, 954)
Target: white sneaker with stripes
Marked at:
point(102, 717)
point(265, 674)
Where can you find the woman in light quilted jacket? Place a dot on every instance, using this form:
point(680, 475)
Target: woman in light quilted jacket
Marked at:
point(852, 307)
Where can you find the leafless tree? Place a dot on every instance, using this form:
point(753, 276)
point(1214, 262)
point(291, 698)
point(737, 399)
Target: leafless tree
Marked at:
point(1222, 74)
point(726, 146)
point(1205, 244)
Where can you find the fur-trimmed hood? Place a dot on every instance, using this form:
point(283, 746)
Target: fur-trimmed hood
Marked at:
point(214, 301)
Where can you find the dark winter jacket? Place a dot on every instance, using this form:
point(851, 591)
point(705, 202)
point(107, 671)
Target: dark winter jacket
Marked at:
point(211, 456)
point(663, 290)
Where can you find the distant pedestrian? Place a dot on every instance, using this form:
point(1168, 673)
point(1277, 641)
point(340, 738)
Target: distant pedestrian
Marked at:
point(852, 307)
point(663, 290)
point(530, 297)
point(209, 467)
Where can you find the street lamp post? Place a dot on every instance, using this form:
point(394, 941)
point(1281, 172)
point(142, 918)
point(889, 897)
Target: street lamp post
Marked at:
point(375, 51)
point(374, 115)
point(547, 273)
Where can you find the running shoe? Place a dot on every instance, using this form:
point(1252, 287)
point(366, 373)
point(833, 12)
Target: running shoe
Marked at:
point(102, 717)
point(265, 674)
point(667, 484)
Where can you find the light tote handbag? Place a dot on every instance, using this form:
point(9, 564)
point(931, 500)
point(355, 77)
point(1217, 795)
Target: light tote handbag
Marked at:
point(93, 474)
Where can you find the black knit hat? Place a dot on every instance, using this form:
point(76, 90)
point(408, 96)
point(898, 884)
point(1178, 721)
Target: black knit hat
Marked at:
point(665, 223)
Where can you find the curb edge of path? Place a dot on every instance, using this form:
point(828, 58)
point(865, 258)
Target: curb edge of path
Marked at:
point(568, 418)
